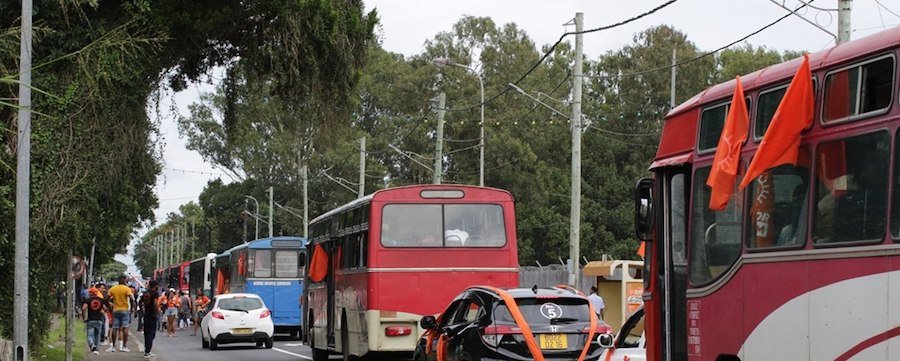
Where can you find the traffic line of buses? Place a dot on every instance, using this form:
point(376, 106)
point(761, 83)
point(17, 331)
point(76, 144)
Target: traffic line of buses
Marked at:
point(381, 263)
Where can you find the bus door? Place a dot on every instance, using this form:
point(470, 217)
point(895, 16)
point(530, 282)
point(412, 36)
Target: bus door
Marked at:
point(331, 249)
point(676, 195)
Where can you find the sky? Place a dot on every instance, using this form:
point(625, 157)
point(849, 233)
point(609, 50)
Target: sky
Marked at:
point(405, 25)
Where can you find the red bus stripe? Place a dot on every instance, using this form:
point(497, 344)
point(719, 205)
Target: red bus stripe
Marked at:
point(872, 341)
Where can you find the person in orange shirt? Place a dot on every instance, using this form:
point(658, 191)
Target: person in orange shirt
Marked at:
point(200, 304)
point(172, 303)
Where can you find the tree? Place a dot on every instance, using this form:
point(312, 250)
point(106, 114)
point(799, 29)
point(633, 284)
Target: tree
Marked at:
point(111, 271)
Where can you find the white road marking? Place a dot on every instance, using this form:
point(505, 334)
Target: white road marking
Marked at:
point(292, 344)
point(292, 354)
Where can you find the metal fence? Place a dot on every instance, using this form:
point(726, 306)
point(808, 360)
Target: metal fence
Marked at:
point(551, 275)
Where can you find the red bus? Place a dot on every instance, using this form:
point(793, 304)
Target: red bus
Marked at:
point(400, 254)
point(803, 264)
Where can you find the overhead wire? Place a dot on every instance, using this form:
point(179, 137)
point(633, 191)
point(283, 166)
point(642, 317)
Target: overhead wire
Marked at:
point(886, 8)
point(553, 48)
point(701, 56)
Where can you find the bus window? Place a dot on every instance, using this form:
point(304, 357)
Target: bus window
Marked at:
point(859, 90)
point(474, 225)
point(286, 264)
point(262, 263)
point(778, 206)
point(851, 188)
point(411, 225)
point(678, 220)
point(711, 122)
point(715, 235)
point(766, 105)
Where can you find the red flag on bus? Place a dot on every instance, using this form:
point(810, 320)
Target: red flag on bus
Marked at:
point(318, 267)
point(728, 153)
point(782, 140)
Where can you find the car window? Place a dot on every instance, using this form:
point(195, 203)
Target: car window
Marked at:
point(543, 310)
point(631, 333)
point(240, 304)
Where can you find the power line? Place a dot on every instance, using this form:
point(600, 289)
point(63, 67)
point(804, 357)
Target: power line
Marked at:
point(886, 8)
point(553, 47)
point(699, 56)
point(623, 134)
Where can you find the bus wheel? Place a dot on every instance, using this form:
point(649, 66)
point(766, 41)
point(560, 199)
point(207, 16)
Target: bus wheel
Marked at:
point(295, 334)
point(319, 354)
point(345, 341)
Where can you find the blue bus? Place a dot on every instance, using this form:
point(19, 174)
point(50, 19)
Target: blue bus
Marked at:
point(273, 268)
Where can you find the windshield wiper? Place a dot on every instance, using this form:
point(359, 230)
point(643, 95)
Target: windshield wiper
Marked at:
point(236, 309)
point(554, 321)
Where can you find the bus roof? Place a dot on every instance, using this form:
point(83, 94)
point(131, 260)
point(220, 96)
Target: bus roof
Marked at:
point(410, 190)
point(268, 243)
point(683, 119)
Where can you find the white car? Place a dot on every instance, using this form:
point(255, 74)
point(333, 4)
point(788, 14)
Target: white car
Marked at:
point(237, 317)
point(630, 344)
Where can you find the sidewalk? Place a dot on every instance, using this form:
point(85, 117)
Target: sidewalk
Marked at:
point(135, 344)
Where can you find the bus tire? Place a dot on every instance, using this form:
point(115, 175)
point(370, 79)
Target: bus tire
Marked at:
point(345, 339)
point(295, 334)
point(319, 354)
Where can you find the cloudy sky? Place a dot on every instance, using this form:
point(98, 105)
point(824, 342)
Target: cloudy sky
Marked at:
point(407, 24)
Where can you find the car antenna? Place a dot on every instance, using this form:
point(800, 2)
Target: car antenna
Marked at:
point(534, 289)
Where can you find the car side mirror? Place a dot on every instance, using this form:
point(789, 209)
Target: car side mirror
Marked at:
point(605, 340)
point(428, 322)
point(643, 209)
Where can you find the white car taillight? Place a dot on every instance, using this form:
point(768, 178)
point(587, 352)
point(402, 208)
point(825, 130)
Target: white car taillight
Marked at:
point(264, 314)
point(216, 314)
point(493, 333)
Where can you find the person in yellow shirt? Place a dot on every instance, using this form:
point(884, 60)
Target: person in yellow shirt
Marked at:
point(120, 297)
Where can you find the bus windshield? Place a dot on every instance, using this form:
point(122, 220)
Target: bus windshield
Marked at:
point(443, 225)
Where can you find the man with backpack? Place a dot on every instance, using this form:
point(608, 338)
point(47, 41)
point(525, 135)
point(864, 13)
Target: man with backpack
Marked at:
point(93, 311)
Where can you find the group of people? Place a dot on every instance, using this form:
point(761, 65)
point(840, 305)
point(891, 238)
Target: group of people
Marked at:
point(113, 309)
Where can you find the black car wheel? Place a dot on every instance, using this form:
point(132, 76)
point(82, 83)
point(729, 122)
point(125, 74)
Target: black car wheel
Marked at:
point(270, 342)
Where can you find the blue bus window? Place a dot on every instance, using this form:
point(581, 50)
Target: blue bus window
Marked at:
point(262, 263)
point(286, 264)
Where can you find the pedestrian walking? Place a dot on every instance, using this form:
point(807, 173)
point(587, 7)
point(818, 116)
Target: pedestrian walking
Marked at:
point(200, 304)
point(185, 310)
point(597, 302)
point(120, 296)
point(93, 310)
point(150, 305)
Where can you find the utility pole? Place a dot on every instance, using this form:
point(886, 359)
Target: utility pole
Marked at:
point(575, 222)
point(672, 85)
point(305, 174)
point(439, 147)
point(271, 200)
point(70, 301)
point(245, 219)
point(362, 167)
point(23, 193)
point(844, 7)
point(91, 266)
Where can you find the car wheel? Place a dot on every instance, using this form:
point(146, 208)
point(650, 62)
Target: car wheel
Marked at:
point(203, 341)
point(270, 342)
point(213, 345)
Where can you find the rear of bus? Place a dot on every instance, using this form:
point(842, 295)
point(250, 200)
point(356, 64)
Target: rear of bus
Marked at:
point(427, 244)
point(273, 273)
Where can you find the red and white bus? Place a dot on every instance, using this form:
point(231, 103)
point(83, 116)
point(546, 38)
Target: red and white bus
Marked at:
point(803, 264)
point(400, 254)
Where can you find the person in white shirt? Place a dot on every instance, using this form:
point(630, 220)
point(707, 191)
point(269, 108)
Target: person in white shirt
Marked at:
point(597, 302)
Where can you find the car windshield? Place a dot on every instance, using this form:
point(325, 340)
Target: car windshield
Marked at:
point(240, 304)
point(547, 310)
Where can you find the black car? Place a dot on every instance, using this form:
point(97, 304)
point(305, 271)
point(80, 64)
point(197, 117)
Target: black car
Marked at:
point(477, 325)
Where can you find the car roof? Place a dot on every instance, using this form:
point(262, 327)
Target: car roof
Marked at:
point(521, 292)
point(237, 295)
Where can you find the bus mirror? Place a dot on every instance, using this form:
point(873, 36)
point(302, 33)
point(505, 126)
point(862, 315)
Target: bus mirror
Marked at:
point(643, 212)
point(428, 322)
point(605, 340)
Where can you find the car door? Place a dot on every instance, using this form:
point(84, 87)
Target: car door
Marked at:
point(444, 320)
point(464, 341)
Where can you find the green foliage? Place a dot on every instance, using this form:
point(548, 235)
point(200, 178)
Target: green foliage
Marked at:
point(111, 271)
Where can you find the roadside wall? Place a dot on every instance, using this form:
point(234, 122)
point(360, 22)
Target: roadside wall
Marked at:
point(549, 276)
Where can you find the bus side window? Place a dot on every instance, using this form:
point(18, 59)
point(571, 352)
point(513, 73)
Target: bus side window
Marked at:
point(715, 235)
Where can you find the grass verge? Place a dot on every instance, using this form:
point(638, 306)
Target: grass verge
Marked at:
point(54, 349)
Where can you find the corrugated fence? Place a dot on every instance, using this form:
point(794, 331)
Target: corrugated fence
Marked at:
point(549, 276)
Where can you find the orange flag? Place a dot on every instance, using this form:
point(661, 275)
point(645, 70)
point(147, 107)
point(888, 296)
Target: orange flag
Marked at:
point(728, 153)
point(782, 139)
point(642, 249)
point(318, 267)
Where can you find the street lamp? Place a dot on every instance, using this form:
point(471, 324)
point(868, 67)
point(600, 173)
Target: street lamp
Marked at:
point(256, 216)
point(442, 62)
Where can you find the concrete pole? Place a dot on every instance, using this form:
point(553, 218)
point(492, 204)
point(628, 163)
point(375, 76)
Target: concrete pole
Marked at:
point(305, 174)
point(70, 301)
point(672, 85)
point(481, 138)
point(439, 146)
point(362, 167)
point(844, 7)
point(244, 217)
point(575, 222)
point(91, 266)
point(271, 200)
point(23, 190)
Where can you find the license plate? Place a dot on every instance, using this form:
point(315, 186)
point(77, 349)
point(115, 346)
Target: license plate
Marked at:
point(241, 331)
point(554, 341)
